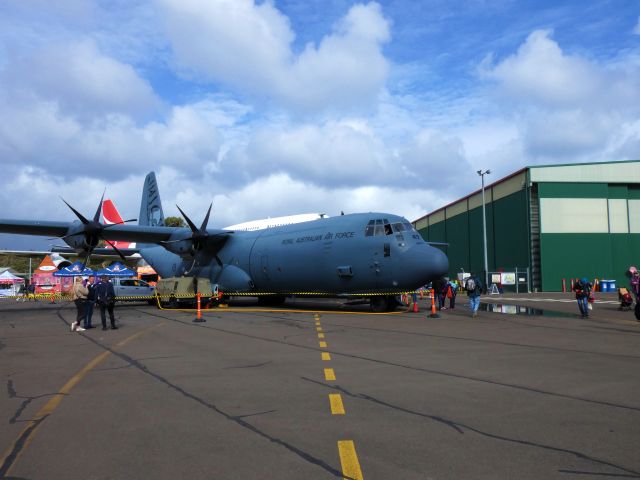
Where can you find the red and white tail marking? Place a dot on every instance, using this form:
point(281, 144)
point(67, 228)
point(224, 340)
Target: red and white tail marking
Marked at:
point(110, 216)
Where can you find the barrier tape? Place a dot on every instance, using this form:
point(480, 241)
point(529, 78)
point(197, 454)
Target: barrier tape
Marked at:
point(66, 296)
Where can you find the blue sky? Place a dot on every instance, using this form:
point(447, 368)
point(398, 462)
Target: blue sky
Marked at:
point(285, 107)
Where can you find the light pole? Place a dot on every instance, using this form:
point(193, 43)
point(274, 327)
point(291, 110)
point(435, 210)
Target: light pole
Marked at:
point(484, 230)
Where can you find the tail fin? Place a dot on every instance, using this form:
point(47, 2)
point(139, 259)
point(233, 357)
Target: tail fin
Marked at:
point(150, 206)
point(110, 215)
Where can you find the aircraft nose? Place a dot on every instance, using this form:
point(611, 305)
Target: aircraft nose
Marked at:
point(425, 264)
point(439, 263)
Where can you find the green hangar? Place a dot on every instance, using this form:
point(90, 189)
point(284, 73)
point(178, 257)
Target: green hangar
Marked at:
point(548, 223)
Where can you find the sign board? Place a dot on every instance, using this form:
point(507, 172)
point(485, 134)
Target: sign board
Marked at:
point(462, 277)
point(495, 278)
point(508, 278)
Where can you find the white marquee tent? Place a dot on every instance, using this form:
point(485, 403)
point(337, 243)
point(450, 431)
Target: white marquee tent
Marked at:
point(10, 284)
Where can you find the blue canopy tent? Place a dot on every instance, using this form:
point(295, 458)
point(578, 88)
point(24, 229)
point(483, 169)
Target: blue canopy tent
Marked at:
point(116, 270)
point(74, 270)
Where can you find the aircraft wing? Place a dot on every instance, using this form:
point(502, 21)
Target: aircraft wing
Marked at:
point(97, 252)
point(34, 227)
point(129, 233)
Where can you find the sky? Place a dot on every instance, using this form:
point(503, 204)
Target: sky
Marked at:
point(268, 108)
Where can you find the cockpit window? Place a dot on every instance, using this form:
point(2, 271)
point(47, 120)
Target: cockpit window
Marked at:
point(408, 227)
point(398, 227)
point(378, 227)
point(368, 232)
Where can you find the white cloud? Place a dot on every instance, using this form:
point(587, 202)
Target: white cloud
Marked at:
point(279, 194)
point(80, 80)
point(112, 146)
point(566, 107)
point(335, 153)
point(541, 73)
point(248, 47)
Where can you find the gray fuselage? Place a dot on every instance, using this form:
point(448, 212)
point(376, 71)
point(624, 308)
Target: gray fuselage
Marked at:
point(350, 254)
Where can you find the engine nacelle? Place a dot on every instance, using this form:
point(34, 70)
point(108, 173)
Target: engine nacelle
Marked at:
point(180, 246)
point(81, 241)
point(234, 279)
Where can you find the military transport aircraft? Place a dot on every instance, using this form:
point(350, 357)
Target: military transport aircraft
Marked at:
point(375, 255)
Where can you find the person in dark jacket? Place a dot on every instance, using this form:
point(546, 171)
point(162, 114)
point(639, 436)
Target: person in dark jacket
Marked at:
point(473, 287)
point(439, 285)
point(91, 301)
point(106, 299)
point(582, 289)
point(452, 291)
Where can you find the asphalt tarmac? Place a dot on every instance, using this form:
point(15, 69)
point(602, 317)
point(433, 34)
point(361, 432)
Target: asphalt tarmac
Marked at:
point(321, 390)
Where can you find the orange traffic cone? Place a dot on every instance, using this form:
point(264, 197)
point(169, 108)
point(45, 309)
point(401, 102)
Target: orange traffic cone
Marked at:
point(415, 305)
point(433, 314)
point(53, 297)
point(199, 310)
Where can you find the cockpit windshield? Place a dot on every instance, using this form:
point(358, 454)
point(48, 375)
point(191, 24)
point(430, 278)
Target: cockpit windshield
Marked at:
point(378, 228)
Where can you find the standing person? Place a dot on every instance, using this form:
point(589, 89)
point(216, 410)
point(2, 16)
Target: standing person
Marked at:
point(635, 283)
point(91, 301)
point(106, 298)
point(79, 295)
point(438, 285)
point(452, 291)
point(582, 289)
point(31, 291)
point(473, 286)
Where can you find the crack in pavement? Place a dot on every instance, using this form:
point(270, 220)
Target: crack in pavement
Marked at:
point(461, 427)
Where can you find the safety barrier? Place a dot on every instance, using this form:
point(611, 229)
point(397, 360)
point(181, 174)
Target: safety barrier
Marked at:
point(52, 297)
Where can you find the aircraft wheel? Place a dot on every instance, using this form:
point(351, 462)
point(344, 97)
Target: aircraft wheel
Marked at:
point(272, 300)
point(379, 304)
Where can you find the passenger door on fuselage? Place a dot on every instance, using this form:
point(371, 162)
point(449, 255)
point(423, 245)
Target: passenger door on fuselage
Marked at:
point(379, 235)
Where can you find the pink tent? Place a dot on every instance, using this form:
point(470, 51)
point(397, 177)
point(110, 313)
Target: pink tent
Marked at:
point(46, 283)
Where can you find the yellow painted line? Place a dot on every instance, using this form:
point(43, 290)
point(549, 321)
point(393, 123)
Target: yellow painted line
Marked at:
point(318, 329)
point(54, 401)
point(329, 374)
point(323, 344)
point(335, 400)
point(321, 335)
point(325, 356)
point(349, 460)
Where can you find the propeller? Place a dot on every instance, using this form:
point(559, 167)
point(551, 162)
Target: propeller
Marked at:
point(92, 230)
point(199, 238)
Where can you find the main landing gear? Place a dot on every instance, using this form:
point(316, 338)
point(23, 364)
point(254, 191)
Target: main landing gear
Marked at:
point(383, 303)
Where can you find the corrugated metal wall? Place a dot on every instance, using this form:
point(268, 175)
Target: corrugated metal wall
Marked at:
point(587, 227)
point(587, 230)
point(507, 233)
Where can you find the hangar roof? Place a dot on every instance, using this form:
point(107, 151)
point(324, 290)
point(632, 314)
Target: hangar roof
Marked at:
point(624, 171)
point(602, 172)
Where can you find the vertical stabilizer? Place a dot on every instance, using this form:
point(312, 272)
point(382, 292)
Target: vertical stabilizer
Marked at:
point(150, 206)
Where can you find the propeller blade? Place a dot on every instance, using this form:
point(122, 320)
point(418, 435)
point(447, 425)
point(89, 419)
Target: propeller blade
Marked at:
point(86, 260)
point(116, 249)
point(120, 223)
point(206, 219)
point(96, 217)
point(167, 242)
point(78, 214)
point(192, 226)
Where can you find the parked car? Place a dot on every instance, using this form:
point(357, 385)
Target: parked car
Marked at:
point(132, 290)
